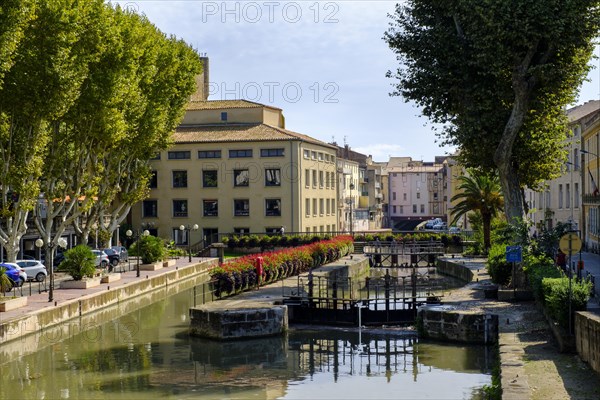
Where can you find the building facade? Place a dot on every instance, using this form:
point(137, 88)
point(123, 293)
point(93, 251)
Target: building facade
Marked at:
point(234, 168)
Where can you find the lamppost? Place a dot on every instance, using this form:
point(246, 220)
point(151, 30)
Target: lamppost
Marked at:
point(351, 203)
point(189, 228)
point(61, 242)
point(137, 236)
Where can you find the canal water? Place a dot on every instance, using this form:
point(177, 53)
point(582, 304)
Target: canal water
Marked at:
point(147, 354)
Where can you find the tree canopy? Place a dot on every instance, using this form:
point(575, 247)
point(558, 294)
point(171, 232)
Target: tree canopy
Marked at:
point(498, 76)
point(88, 94)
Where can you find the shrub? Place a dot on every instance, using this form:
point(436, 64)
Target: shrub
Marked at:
point(5, 282)
point(79, 262)
point(152, 249)
point(538, 267)
point(556, 297)
point(499, 269)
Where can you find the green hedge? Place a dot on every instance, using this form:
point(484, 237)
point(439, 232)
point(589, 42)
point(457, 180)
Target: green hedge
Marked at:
point(556, 297)
point(499, 269)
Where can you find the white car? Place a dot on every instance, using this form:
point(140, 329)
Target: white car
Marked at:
point(34, 269)
point(101, 258)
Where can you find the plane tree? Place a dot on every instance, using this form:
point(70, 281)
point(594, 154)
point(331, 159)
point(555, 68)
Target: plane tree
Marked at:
point(497, 76)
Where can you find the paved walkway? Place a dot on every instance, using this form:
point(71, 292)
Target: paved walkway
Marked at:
point(39, 301)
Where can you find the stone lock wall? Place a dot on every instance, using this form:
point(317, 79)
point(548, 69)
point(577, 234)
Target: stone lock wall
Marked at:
point(587, 338)
point(238, 323)
point(442, 323)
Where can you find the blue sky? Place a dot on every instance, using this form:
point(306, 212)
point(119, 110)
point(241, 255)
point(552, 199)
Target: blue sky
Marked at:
point(322, 62)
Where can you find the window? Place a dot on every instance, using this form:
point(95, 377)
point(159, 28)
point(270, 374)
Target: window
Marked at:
point(321, 206)
point(418, 195)
point(414, 208)
point(328, 207)
point(314, 178)
point(209, 179)
point(241, 207)
point(314, 206)
point(150, 209)
point(179, 179)
point(435, 195)
point(240, 153)
point(241, 177)
point(332, 180)
point(394, 209)
point(313, 155)
point(321, 179)
point(568, 197)
point(180, 208)
point(307, 207)
point(327, 180)
point(576, 159)
point(180, 155)
point(576, 194)
point(393, 195)
point(209, 154)
point(422, 208)
point(333, 206)
point(560, 196)
point(241, 231)
point(211, 208)
point(327, 160)
point(271, 152)
point(153, 183)
point(307, 177)
point(320, 156)
point(273, 207)
point(223, 116)
point(156, 157)
point(273, 231)
point(272, 177)
point(306, 154)
point(401, 209)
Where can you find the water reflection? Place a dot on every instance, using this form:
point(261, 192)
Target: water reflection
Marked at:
point(148, 354)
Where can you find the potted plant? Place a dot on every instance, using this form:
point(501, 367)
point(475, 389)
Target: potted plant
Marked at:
point(79, 262)
point(153, 252)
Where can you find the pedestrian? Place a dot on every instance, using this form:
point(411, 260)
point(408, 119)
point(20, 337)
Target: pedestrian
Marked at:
point(282, 230)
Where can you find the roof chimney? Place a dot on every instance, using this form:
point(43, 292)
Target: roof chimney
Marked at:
point(201, 93)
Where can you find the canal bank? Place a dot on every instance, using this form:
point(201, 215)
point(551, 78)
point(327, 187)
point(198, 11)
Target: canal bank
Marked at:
point(77, 308)
point(531, 364)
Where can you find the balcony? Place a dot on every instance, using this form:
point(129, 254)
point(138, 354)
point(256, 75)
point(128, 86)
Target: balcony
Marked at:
point(591, 199)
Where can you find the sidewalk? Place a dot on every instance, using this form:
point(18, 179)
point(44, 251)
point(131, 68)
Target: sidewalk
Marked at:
point(39, 301)
point(531, 365)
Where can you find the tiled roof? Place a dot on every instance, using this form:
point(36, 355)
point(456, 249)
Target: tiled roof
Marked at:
point(238, 133)
point(224, 104)
point(583, 110)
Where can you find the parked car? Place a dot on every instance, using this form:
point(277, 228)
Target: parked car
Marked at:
point(113, 257)
point(123, 253)
point(454, 229)
point(15, 274)
point(101, 258)
point(432, 223)
point(440, 226)
point(34, 269)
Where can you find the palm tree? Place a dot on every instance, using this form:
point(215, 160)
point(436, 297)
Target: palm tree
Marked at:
point(480, 193)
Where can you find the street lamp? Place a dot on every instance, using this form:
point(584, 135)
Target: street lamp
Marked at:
point(137, 235)
point(189, 228)
point(61, 242)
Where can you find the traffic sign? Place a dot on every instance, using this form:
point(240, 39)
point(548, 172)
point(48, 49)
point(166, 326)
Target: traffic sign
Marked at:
point(570, 243)
point(514, 254)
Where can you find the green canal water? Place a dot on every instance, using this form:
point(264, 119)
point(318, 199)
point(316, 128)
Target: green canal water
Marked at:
point(147, 354)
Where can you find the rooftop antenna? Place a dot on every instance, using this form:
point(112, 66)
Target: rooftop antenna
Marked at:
point(345, 140)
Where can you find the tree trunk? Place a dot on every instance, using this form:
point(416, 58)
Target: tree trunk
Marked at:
point(486, 220)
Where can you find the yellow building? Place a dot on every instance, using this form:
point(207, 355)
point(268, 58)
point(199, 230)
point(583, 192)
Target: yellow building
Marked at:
point(234, 168)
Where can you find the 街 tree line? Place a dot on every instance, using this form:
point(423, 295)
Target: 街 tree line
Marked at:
point(89, 92)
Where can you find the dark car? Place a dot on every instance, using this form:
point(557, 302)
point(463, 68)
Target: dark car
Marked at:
point(113, 257)
point(58, 258)
point(123, 253)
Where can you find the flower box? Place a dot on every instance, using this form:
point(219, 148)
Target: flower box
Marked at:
point(82, 284)
point(112, 277)
point(11, 303)
point(151, 267)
